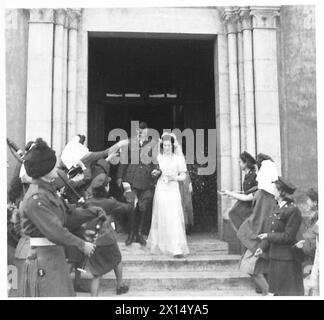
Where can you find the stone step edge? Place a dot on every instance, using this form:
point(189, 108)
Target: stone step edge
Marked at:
point(177, 275)
point(239, 292)
point(191, 258)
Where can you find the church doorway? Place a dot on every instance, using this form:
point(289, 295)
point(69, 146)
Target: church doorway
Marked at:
point(168, 83)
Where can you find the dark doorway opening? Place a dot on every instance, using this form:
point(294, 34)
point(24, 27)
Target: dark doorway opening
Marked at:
point(169, 83)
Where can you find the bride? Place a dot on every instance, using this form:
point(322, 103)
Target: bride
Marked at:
point(167, 234)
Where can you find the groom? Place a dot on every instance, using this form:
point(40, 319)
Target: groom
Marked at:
point(141, 179)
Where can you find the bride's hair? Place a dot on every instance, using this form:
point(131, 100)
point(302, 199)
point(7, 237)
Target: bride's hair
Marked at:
point(167, 137)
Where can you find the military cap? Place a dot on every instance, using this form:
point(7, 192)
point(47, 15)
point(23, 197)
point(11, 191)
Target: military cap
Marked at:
point(285, 185)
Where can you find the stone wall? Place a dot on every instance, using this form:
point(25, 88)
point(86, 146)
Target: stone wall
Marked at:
point(297, 83)
point(16, 80)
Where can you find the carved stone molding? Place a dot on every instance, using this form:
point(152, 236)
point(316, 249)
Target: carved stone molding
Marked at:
point(73, 18)
point(60, 16)
point(245, 18)
point(230, 17)
point(264, 17)
point(41, 15)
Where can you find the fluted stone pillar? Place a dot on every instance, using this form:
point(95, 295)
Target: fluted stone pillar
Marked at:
point(72, 73)
point(248, 80)
point(266, 81)
point(230, 17)
point(64, 84)
point(82, 84)
point(223, 125)
point(40, 75)
point(240, 66)
point(58, 83)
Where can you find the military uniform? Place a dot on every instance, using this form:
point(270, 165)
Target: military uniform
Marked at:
point(45, 224)
point(285, 272)
point(140, 178)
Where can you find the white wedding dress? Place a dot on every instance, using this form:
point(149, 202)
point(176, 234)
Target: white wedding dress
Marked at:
point(167, 234)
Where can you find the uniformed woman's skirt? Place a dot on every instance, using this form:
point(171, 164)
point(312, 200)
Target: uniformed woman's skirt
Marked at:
point(104, 259)
point(285, 278)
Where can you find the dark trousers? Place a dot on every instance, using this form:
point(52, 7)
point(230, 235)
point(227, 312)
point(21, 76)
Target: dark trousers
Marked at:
point(143, 213)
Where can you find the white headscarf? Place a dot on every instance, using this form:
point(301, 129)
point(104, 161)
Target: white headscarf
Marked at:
point(266, 175)
point(73, 152)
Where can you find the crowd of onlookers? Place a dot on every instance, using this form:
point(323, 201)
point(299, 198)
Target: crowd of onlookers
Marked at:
point(280, 247)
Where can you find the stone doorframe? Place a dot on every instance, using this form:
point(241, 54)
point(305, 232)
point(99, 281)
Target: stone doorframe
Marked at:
point(245, 68)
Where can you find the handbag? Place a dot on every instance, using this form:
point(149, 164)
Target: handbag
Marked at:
point(248, 261)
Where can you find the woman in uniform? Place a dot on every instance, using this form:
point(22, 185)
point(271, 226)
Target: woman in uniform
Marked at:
point(285, 275)
point(263, 203)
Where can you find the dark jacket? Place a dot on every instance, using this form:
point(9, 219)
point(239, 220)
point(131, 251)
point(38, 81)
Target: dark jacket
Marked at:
point(138, 175)
point(282, 227)
point(112, 207)
point(249, 181)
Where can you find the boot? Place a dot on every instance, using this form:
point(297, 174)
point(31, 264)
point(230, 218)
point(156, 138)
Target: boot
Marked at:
point(140, 239)
point(130, 239)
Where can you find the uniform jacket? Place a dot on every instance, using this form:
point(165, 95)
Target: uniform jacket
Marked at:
point(112, 207)
point(139, 175)
point(282, 226)
point(44, 214)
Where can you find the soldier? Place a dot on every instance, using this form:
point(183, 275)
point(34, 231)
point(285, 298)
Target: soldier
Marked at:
point(141, 179)
point(42, 267)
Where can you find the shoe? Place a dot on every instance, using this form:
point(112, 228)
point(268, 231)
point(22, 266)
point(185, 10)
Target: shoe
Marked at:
point(130, 239)
point(80, 288)
point(123, 289)
point(257, 290)
point(140, 239)
point(178, 256)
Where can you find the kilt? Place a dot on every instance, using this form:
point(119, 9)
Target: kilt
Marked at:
point(104, 259)
point(285, 278)
point(44, 272)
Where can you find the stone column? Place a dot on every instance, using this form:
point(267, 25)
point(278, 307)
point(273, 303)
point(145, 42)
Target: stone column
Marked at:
point(58, 83)
point(230, 17)
point(248, 80)
point(223, 125)
point(64, 84)
point(240, 66)
point(82, 83)
point(72, 73)
point(40, 75)
point(266, 81)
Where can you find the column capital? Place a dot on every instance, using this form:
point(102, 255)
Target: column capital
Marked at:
point(60, 16)
point(245, 18)
point(264, 17)
point(41, 15)
point(73, 18)
point(230, 17)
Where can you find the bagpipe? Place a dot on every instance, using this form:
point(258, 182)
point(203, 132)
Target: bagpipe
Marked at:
point(16, 151)
point(19, 154)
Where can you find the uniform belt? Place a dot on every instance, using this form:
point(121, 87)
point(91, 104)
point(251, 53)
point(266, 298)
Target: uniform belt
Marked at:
point(41, 242)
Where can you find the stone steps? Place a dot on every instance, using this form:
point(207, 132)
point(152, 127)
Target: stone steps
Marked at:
point(175, 293)
point(179, 280)
point(200, 263)
point(207, 271)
